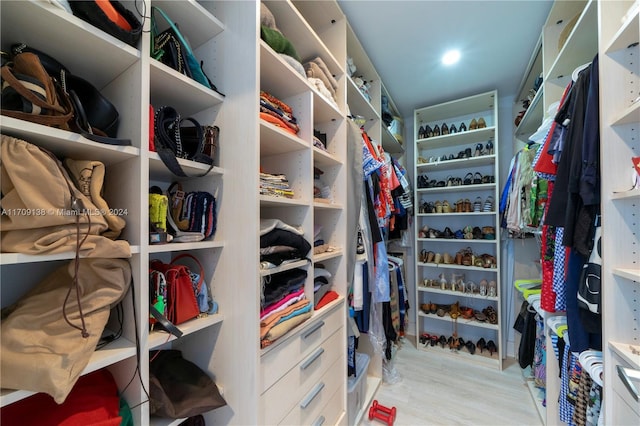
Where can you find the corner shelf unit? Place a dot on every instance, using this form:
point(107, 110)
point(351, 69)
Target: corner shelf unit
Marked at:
point(440, 158)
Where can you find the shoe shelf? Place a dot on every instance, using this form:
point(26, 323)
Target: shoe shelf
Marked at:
point(455, 293)
point(458, 163)
point(455, 240)
point(457, 139)
point(461, 321)
point(454, 266)
point(451, 159)
point(327, 255)
point(483, 357)
point(456, 188)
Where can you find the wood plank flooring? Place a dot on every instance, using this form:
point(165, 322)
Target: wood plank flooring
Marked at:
point(437, 390)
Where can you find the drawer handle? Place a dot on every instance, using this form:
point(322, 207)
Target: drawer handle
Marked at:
point(314, 392)
point(313, 329)
point(312, 358)
point(628, 374)
point(319, 421)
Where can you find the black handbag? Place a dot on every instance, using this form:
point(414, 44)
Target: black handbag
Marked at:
point(179, 388)
point(128, 30)
point(173, 139)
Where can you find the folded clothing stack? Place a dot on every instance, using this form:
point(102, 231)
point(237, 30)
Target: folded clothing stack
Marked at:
point(275, 185)
point(318, 73)
point(277, 113)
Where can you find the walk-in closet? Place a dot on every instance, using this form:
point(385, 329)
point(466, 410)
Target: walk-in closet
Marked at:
point(293, 212)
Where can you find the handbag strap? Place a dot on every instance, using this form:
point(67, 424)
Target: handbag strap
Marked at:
point(197, 262)
point(173, 26)
point(167, 119)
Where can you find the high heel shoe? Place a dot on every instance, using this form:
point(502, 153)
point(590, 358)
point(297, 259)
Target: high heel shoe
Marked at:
point(428, 131)
point(436, 131)
point(473, 125)
point(491, 347)
point(471, 347)
point(489, 148)
point(421, 134)
point(482, 344)
point(462, 128)
point(452, 129)
point(481, 123)
point(444, 129)
point(479, 151)
point(442, 341)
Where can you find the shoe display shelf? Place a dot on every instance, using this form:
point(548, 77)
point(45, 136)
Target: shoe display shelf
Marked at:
point(619, 39)
point(457, 231)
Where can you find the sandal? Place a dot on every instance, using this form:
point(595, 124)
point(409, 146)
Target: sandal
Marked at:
point(477, 178)
point(467, 206)
point(489, 232)
point(468, 233)
point(488, 204)
point(488, 179)
point(447, 233)
point(468, 178)
point(477, 205)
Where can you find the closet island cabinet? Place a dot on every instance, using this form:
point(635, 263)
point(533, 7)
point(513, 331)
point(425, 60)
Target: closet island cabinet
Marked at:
point(226, 37)
point(457, 238)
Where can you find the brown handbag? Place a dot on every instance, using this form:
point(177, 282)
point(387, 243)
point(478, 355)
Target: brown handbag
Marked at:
point(29, 93)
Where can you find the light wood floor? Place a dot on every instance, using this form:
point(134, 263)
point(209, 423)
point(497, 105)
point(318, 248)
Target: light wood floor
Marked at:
point(437, 390)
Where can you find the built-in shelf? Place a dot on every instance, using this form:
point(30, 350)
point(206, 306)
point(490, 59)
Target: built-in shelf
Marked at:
point(461, 321)
point(455, 293)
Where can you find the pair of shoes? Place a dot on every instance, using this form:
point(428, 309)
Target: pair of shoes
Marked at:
point(477, 124)
point(488, 233)
point(477, 205)
point(436, 131)
point(479, 150)
point(444, 129)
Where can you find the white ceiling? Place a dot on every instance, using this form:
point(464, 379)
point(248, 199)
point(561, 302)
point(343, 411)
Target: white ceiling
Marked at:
point(406, 39)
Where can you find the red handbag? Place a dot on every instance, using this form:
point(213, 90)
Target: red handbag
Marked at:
point(181, 304)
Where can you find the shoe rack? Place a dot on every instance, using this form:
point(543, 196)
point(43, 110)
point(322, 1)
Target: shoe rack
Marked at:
point(620, 128)
point(240, 65)
point(457, 239)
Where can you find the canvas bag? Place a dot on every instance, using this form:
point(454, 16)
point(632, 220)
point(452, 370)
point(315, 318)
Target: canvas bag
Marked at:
point(36, 219)
point(41, 352)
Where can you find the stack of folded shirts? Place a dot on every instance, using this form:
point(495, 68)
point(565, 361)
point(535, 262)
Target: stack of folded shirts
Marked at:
point(275, 185)
point(284, 305)
point(320, 76)
point(276, 112)
point(321, 283)
point(280, 242)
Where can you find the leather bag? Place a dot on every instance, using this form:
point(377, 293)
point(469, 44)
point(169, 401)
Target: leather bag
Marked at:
point(171, 48)
point(179, 388)
point(29, 93)
point(173, 139)
point(194, 211)
point(112, 18)
point(181, 304)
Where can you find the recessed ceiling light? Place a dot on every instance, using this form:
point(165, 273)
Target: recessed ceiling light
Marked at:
point(451, 57)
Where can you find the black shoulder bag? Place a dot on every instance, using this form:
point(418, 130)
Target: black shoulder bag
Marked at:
point(173, 140)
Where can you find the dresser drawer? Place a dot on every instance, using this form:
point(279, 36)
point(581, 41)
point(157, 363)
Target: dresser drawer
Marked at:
point(332, 412)
point(311, 405)
point(283, 396)
point(626, 407)
point(275, 363)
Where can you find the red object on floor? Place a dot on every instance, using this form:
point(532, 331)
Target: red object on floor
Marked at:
point(384, 414)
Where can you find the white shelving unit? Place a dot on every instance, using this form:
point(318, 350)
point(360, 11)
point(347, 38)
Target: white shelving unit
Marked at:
point(240, 64)
point(437, 158)
point(619, 35)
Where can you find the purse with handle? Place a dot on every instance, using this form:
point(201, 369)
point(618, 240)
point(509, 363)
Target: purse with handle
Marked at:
point(171, 48)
